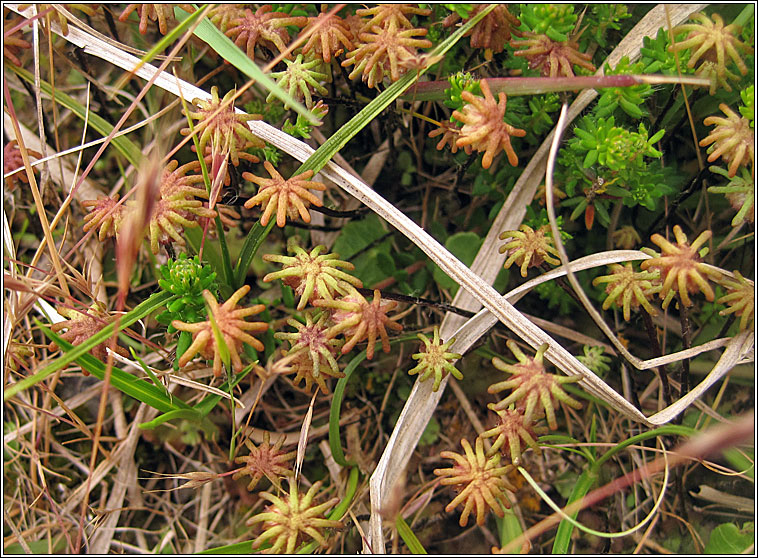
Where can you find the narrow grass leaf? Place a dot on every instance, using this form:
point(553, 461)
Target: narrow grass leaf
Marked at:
point(245, 547)
point(509, 527)
point(139, 389)
point(143, 309)
point(337, 141)
point(210, 402)
point(336, 408)
point(149, 372)
point(122, 143)
point(740, 462)
point(583, 485)
point(408, 536)
point(209, 429)
point(230, 52)
point(253, 241)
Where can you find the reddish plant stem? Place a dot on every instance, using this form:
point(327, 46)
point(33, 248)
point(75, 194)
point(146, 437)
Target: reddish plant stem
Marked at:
point(714, 440)
point(435, 90)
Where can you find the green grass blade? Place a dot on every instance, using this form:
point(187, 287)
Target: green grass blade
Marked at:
point(122, 143)
point(340, 510)
point(408, 536)
point(230, 52)
point(339, 392)
point(589, 477)
point(210, 430)
point(149, 372)
point(139, 389)
point(155, 301)
point(253, 241)
point(509, 527)
point(740, 462)
point(187, 414)
point(336, 408)
point(565, 529)
point(244, 547)
point(352, 487)
point(667, 430)
point(337, 141)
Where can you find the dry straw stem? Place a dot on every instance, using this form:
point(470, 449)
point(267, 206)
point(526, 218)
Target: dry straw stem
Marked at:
point(65, 176)
point(125, 477)
point(422, 400)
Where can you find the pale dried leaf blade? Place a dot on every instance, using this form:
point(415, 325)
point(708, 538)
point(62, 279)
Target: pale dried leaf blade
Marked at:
point(422, 401)
point(302, 442)
point(737, 348)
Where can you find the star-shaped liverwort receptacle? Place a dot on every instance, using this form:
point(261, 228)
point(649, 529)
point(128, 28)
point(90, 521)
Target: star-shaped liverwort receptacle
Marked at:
point(714, 42)
point(330, 38)
point(13, 161)
point(292, 518)
point(232, 327)
point(313, 348)
point(529, 248)
point(265, 460)
point(299, 79)
point(595, 359)
point(311, 274)
point(511, 429)
point(733, 140)
point(288, 198)
point(435, 360)
point(262, 27)
point(381, 52)
point(740, 299)
point(83, 324)
point(450, 133)
point(176, 207)
point(359, 319)
point(480, 480)
point(221, 127)
point(483, 127)
point(629, 289)
point(740, 192)
point(530, 383)
point(492, 32)
point(552, 58)
point(681, 267)
point(162, 13)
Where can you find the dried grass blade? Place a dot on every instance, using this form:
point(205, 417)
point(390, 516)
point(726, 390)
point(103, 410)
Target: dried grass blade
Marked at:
point(303, 440)
point(422, 400)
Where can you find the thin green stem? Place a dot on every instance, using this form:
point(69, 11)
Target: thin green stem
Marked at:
point(339, 391)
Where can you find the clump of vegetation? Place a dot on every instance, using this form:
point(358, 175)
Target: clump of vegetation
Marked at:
point(331, 186)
